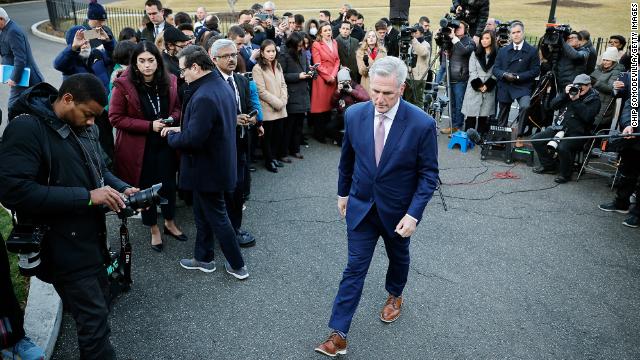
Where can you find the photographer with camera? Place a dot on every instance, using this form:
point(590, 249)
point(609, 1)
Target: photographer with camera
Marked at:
point(462, 46)
point(516, 68)
point(573, 60)
point(54, 178)
point(420, 53)
point(475, 13)
point(578, 106)
point(349, 92)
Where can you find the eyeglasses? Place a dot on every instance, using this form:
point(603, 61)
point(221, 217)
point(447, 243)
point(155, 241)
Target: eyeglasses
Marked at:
point(182, 70)
point(227, 57)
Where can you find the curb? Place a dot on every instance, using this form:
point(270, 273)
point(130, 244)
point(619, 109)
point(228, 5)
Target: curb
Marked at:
point(43, 315)
point(45, 36)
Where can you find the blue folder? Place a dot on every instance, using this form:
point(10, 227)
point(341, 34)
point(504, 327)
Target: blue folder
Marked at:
point(7, 70)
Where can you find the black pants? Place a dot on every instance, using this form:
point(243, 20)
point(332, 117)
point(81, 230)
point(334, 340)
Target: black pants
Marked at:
point(159, 165)
point(292, 134)
point(480, 123)
point(320, 121)
point(9, 306)
point(234, 200)
point(106, 136)
point(272, 139)
point(566, 150)
point(629, 176)
point(88, 301)
point(503, 115)
point(210, 215)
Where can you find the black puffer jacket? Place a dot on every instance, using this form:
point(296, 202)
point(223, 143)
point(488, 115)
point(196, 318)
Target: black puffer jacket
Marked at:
point(46, 179)
point(476, 14)
point(572, 63)
point(459, 59)
point(578, 115)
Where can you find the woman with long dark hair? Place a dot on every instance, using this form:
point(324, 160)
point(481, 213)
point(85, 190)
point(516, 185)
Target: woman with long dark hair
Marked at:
point(295, 69)
point(324, 52)
point(480, 96)
point(143, 98)
point(272, 90)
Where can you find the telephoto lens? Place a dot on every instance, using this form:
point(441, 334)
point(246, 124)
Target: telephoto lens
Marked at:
point(574, 90)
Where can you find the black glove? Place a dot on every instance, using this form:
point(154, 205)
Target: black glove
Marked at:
point(365, 58)
point(509, 77)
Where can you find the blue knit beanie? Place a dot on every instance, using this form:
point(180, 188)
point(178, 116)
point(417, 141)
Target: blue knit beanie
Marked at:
point(96, 11)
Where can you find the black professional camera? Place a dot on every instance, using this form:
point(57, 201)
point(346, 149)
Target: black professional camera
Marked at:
point(574, 89)
point(248, 75)
point(142, 200)
point(25, 241)
point(404, 42)
point(502, 34)
point(447, 24)
point(554, 34)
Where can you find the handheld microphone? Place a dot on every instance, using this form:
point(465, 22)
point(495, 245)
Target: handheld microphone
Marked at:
point(474, 136)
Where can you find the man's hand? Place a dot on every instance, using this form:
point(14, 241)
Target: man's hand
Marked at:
point(11, 83)
point(130, 191)
point(78, 40)
point(618, 85)
point(509, 77)
point(102, 35)
point(254, 54)
point(242, 119)
point(158, 125)
point(342, 206)
point(107, 196)
point(406, 227)
point(167, 130)
point(628, 130)
point(260, 131)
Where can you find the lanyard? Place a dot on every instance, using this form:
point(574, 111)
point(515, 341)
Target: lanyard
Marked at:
point(156, 110)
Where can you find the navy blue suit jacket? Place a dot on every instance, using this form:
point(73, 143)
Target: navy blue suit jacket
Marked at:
point(247, 56)
point(524, 63)
point(407, 174)
point(15, 50)
point(207, 141)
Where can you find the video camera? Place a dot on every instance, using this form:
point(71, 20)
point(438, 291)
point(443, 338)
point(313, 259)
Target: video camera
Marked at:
point(404, 41)
point(447, 24)
point(503, 33)
point(551, 44)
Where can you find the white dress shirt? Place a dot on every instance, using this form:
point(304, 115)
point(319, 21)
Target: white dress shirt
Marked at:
point(235, 87)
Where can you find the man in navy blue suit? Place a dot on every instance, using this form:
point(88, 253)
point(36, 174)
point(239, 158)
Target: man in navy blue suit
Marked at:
point(516, 68)
point(388, 172)
point(16, 51)
point(207, 140)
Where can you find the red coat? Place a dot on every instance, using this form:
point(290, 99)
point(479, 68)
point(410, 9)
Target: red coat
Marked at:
point(329, 61)
point(125, 114)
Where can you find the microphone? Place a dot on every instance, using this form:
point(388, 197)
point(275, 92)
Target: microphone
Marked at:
point(474, 136)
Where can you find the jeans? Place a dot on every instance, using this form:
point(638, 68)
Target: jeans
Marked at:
point(457, 96)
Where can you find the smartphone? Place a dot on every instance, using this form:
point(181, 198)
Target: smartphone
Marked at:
point(90, 34)
point(262, 17)
point(253, 113)
point(167, 121)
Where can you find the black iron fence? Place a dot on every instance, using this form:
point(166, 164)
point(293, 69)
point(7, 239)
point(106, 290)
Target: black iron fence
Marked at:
point(64, 14)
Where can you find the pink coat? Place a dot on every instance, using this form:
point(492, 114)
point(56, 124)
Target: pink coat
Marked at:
point(125, 114)
point(321, 92)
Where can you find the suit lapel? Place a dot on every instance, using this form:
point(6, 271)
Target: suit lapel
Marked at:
point(370, 144)
point(395, 133)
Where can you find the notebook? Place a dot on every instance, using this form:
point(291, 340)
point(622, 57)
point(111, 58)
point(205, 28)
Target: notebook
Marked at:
point(7, 70)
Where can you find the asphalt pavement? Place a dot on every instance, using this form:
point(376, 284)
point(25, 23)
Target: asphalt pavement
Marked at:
point(516, 268)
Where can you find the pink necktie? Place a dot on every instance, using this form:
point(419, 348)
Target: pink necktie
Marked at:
point(379, 137)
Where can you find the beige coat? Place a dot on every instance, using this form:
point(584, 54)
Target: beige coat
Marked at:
point(272, 90)
point(422, 51)
point(363, 69)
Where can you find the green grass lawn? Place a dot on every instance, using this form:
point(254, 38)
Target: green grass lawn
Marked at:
point(601, 17)
point(20, 283)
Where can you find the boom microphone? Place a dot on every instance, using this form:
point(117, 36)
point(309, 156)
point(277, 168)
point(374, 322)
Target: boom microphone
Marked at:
point(475, 138)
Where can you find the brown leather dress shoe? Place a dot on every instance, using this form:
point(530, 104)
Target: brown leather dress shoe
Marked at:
point(334, 345)
point(391, 310)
